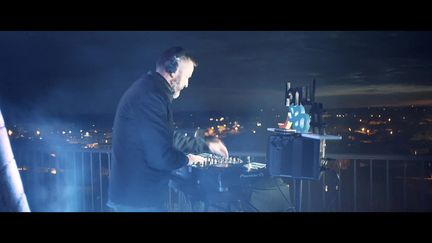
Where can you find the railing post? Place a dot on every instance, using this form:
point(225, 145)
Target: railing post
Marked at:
point(300, 201)
point(295, 196)
point(371, 185)
point(309, 196)
point(75, 183)
point(404, 186)
point(388, 186)
point(91, 180)
point(324, 190)
point(100, 183)
point(339, 186)
point(84, 199)
point(39, 161)
point(355, 185)
point(109, 164)
point(424, 190)
point(57, 176)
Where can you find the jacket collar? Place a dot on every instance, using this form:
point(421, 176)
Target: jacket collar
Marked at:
point(162, 83)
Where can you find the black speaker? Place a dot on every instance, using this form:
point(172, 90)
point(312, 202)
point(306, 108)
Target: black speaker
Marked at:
point(291, 155)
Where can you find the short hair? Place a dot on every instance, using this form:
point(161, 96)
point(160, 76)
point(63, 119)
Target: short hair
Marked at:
point(175, 52)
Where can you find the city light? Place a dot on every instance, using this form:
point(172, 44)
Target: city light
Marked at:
point(258, 124)
point(38, 132)
point(53, 171)
point(10, 132)
point(91, 145)
point(221, 129)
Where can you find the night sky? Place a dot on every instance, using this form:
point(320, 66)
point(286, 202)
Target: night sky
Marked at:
point(74, 73)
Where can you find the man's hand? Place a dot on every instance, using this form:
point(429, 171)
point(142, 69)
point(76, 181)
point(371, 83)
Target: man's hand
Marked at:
point(195, 159)
point(216, 146)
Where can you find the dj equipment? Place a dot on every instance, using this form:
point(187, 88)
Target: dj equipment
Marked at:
point(219, 181)
point(220, 174)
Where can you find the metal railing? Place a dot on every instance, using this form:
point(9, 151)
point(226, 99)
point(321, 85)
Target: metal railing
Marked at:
point(65, 180)
point(77, 180)
point(384, 182)
point(375, 182)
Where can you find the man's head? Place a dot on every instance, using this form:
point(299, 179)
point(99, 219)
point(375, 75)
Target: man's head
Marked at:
point(176, 66)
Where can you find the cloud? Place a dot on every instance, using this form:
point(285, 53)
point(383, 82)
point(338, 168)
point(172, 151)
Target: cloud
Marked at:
point(374, 89)
point(88, 71)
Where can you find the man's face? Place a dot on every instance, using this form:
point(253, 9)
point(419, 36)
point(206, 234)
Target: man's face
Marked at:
point(182, 76)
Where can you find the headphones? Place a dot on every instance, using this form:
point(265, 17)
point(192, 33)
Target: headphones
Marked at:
point(171, 65)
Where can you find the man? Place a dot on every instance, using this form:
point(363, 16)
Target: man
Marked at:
point(145, 147)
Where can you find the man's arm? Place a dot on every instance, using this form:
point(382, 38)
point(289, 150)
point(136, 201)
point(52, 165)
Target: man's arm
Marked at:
point(199, 145)
point(188, 144)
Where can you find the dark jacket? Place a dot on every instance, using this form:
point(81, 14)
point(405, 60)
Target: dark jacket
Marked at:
point(145, 147)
